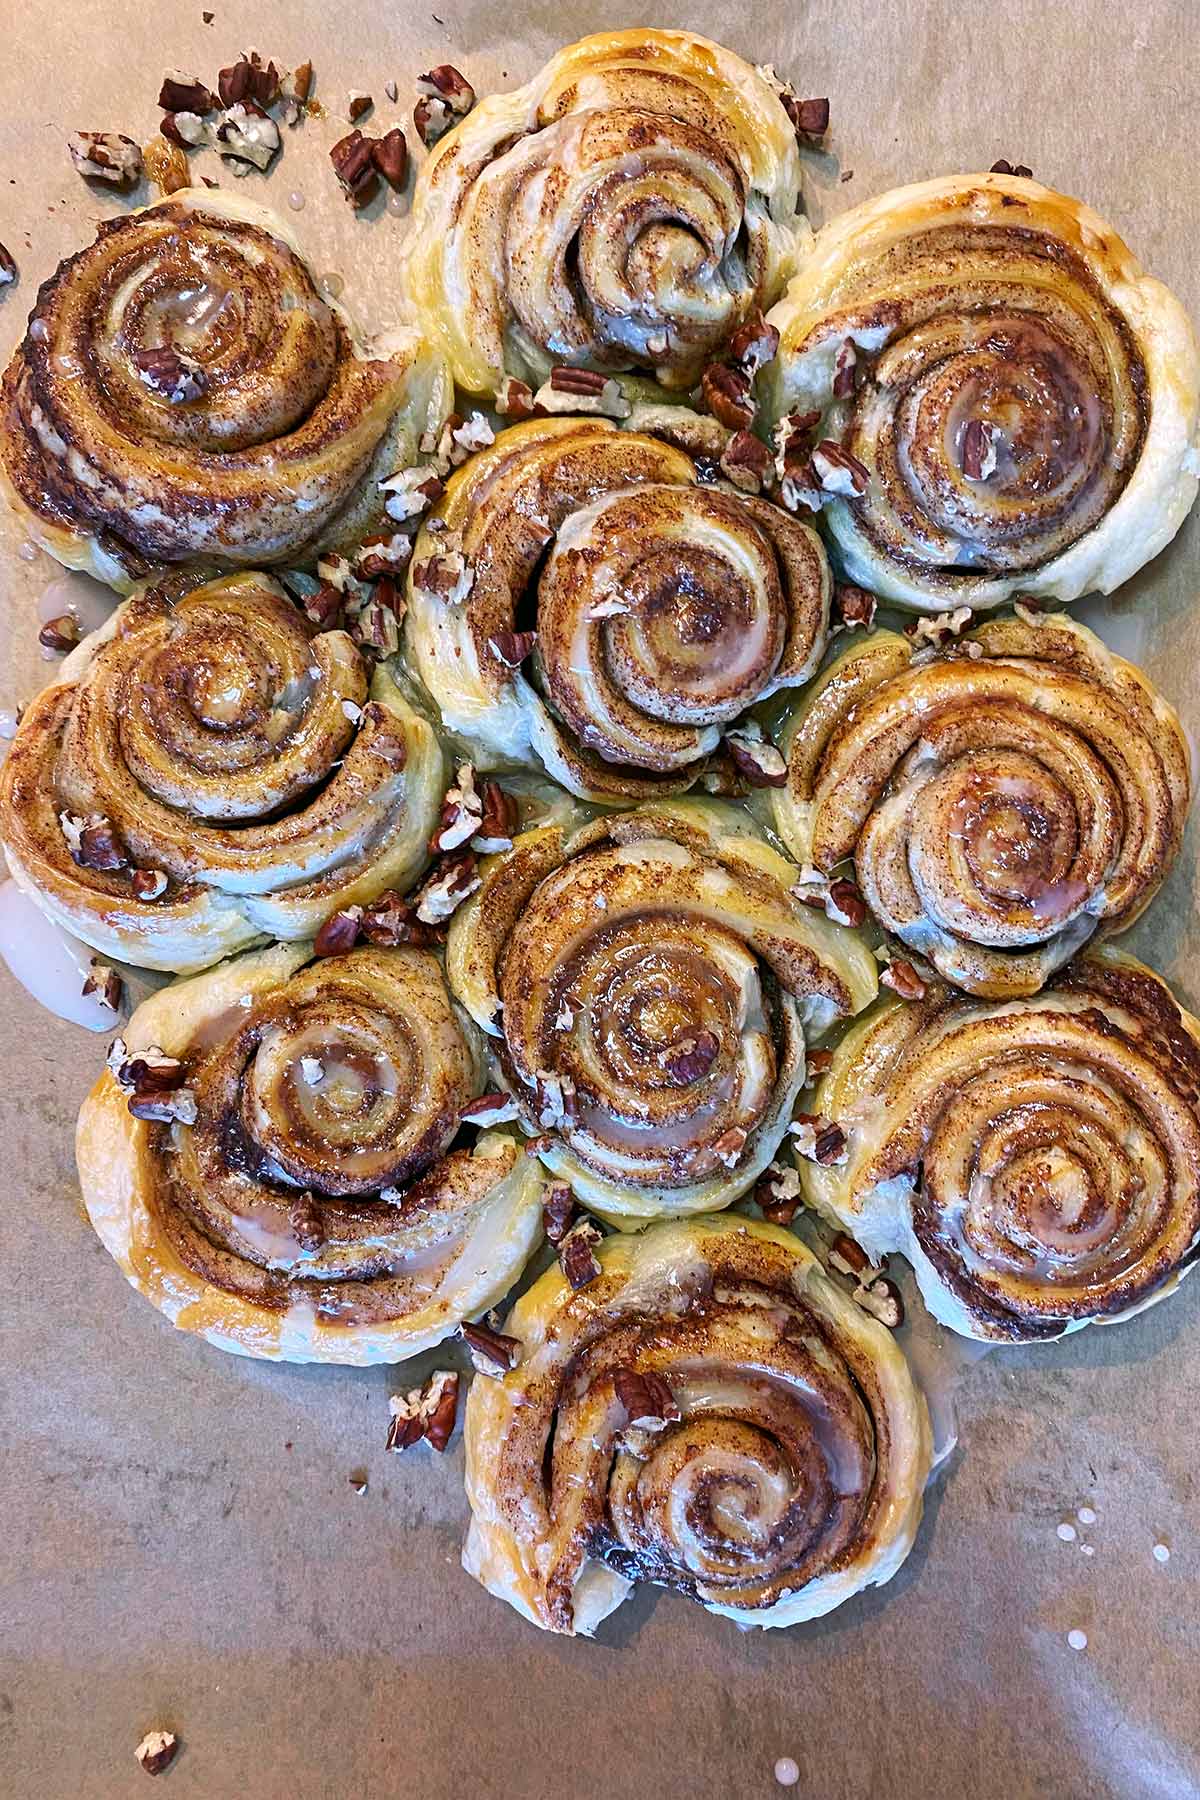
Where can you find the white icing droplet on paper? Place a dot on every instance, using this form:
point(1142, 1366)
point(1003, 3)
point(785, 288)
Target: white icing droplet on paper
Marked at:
point(332, 285)
point(1088, 1549)
point(296, 200)
point(1086, 1515)
point(787, 1771)
point(48, 962)
point(8, 721)
point(398, 203)
point(78, 597)
point(1077, 1640)
point(28, 552)
point(1067, 1533)
point(1161, 1553)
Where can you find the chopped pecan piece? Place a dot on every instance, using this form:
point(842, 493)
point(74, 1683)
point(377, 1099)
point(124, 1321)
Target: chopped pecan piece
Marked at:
point(390, 919)
point(754, 344)
point(249, 79)
point(185, 130)
point(512, 647)
point(809, 117)
point(105, 984)
point(148, 884)
point(582, 391)
point(492, 1352)
point(730, 1144)
point(816, 1062)
point(339, 933)
point(577, 1254)
point(445, 97)
point(444, 890)
point(390, 156)
point(758, 761)
point(746, 462)
point(847, 1257)
point(1002, 167)
point(427, 1412)
point(555, 1099)
point(106, 156)
point(514, 399)
point(845, 370)
point(294, 90)
point(93, 842)
point(354, 165)
point(60, 634)
point(727, 395)
point(462, 813)
point(979, 453)
point(157, 1751)
point(246, 136)
point(411, 492)
point(498, 823)
point(881, 1298)
point(446, 576)
point(903, 979)
point(358, 105)
point(165, 373)
point(8, 268)
point(558, 1211)
point(856, 606)
point(844, 904)
point(819, 1140)
point(778, 1194)
point(648, 1401)
point(185, 93)
point(690, 1058)
point(495, 1108)
point(838, 471)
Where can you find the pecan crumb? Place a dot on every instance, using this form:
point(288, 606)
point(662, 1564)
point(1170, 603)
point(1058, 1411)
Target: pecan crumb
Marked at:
point(881, 1298)
point(445, 97)
point(577, 1254)
point(494, 1108)
point(778, 1194)
point(106, 156)
point(60, 634)
point(104, 982)
point(491, 1352)
point(339, 933)
point(558, 1211)
point(157, 1751)
point(8, 268)
point(1002, 167)
point(727, 395)
point(856, 606)
point(648, 1401)
point(690, 1058)
point(512, 647)
point(426, 1412)
point(838, 472)
point(847, 1257)
point(354, 165)
point(452, 879)
point(903, 979)
point(819, 1140)
point(758, 761)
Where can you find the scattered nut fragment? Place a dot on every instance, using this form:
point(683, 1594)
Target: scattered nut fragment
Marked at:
point(903, 979)
point(746, 462)
point(758, 761)
point(185, 93)
point(648, 1401)
point(856, 607)
point(462, 813)
point(392, 91)
point(558, 1211)
point(979, 453)
point(339, 933)
point(754, 344)
point(246, 136)
point(443, 891)
point(163, 370)
point(187, 130)
point(426, 1412)
point(445, 97)
point(148, 884)
point(382, 554)
point(838, 471)
point(845, 370)
point(358, 1480)
point(106, 156)
point(149, 1071)
point(810, 117)
point(582, 391)
point(294, 89)
point(498, 823)
point(939, 629)
point(845, 905)
point(512, 647)
point(93, 841)
point(881, 1298)
point(390, 156)
point(104, 982)
point(690, 1058)
point(358, 106)
point(354, 165)
point(492, 1352)
point(308, 1226)
point(730, 1144)
point(1003, 167)
point(726, 393)
point(8, 268)
point(514, 399)
point(555, 1099)
point(60, 634)
point(391, 919)
point(494, 1108)
point(819, 1140)
point(411, 492)
point(157, 1751)
point(249, 80)
point(577, 1254)
point(817, 1062)
point(778, 1194)
point(847, 1257)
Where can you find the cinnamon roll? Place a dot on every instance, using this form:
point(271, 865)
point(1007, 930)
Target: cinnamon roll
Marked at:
point(1004, 801)
point(185, 390)
point(210, 770)
point(647, 979)
point(710, 1414)
point(267, 1157)
point(1022, 398)
point(1038, 1162)
point(626, 209)
point(661, 609)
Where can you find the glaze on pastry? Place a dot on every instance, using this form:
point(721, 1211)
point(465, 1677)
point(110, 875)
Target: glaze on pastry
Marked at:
point(268, 439)
point(1004, 800)
point(1037, 1162)
point(626, 209)
point(647, 980)
point(663, 609)
point(253, 774)
point(1025, 398)
point(304, 1204)
point(786, 1475)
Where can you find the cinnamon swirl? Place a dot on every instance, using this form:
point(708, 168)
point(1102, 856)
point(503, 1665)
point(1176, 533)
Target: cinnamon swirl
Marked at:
point(210, 770)
point(1023, 399)
point(184, 390)
point(626, 209)
point(661, 609)
point(1038, 1162)
point(1004, 800)
point(267, 1158)
point(710, 1414)
point(648, 979)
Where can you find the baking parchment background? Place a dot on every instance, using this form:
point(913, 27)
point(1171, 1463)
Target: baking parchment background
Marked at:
point(179, 1540)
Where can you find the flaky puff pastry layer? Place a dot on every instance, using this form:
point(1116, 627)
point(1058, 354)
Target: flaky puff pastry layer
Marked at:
point(1037, 1161)
point(273, 446)
point(785, 1470)
point(249, 763)
point(312, 1210)
point(648, 981)
point(625, 209)
point(1004, 801)
point(1024, 398)
point(663, 609)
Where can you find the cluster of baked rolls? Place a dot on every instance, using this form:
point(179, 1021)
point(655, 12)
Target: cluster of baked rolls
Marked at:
point(552, 842)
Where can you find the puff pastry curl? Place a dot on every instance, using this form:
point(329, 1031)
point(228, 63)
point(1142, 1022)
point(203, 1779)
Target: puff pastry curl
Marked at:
point(210, 770)
point(663, 609)
point(302, 1204)
point(710, 1414)
point(1003, 801)
point(1038, 1162)
point(184, 390)
point(648, 979)
point(624, 210)
point(1023, 397)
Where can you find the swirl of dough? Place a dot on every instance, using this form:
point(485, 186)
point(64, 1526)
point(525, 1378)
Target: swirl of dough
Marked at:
point(1026, 400)
point(626, 209)
point(649, 978)
point(782, 1472)
point(184, 390)
point(663, 609)
point(254, 778)
point(312, 1210)
point(1038, 1162)
point(1003, 802)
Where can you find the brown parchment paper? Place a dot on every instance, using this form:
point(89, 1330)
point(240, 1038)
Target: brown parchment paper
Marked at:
point(180, 1544)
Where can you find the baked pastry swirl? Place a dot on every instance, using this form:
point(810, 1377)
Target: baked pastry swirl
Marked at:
point(211, 770)
point(1003, 801)
point(626, 209)
point(300, 1200)
point(184, 390)
point(711, 1414)
point(648, 979)
point(1023, 397)
point(663, 609)
point(1037, 1162)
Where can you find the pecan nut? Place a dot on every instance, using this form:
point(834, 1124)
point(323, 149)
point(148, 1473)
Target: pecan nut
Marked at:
point(648, 1401)
point(492, 1352)
point(726, 393)
point(106, 156)
point(426, 1412)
